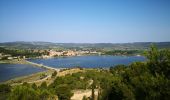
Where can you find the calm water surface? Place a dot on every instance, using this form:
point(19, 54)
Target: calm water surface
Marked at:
point(9, 71)
point(88, 61)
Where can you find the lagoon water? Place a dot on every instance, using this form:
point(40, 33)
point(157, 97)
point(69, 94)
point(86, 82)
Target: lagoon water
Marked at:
point(88, 61)
point(9, 71)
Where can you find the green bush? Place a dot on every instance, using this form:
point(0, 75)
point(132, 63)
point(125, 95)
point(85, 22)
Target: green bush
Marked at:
point(141, 80)
point(23, 93)
point(64, 92)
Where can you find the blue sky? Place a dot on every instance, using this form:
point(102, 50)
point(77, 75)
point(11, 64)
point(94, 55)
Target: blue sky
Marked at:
point(85, 21)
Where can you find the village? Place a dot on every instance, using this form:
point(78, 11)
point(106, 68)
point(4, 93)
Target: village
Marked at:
point(53, 53)
point(48, 54)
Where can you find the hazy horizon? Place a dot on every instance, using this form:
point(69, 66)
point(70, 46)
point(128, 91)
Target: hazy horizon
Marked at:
point(84, 42)
point(85, 21)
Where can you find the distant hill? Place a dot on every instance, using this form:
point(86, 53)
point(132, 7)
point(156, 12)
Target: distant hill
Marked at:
point(117, 46)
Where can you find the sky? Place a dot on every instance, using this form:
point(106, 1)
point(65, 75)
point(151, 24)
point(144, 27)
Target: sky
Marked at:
point(85, 21)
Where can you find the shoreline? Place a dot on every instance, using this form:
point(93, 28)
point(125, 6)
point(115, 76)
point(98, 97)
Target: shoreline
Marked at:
point(37, 77)
point(28, 78)
point(29, 63)
point(85, 55)
point(49, 70)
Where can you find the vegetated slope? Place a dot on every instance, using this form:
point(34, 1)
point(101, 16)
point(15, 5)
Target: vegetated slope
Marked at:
point(141, 80)
point(148, 80)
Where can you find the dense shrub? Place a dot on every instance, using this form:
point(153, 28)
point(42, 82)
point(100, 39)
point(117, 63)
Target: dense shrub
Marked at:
point(141, 80)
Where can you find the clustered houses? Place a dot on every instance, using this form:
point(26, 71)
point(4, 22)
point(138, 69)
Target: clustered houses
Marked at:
point(50, 53)
point(5, 56)
point(70, 53)
point(53, 53)
point(9, 57)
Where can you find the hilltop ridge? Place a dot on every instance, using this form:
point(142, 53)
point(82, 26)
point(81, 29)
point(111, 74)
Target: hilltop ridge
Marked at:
point(48, 45)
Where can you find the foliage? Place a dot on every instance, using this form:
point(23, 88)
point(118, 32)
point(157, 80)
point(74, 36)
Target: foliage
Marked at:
point(5, 88)
point(44, 85)
point(23, 93)
point(46, 95)
point(34, 86)
point(82, 80)
point(29, 92)
point(63, 92)
point(159, 61)
point(141, 80)
point(123, 52)
point(85, 98)
point(54, 74)
point(20, 52)
point(93, 91)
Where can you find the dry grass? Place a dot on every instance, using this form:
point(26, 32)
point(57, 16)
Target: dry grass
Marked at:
point(69, 71)
point(79, 94)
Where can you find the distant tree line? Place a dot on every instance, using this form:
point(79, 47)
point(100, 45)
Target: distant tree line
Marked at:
point(20, 52)
point(124, 52)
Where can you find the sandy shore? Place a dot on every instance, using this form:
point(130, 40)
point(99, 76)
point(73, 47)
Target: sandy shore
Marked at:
point(36, 77)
